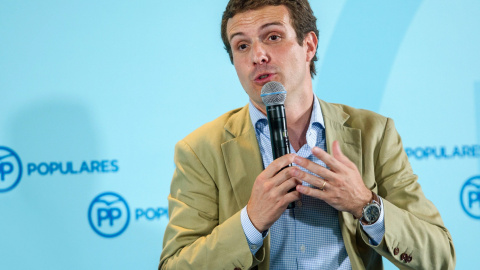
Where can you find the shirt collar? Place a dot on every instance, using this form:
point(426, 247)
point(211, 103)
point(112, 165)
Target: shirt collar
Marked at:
point(317, 116)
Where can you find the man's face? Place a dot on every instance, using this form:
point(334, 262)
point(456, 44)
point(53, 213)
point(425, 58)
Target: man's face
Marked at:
point(265, 48)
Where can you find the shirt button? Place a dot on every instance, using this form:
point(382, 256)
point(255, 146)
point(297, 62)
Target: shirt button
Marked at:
point(302, 248)
point(253, 246)
point(299, 203)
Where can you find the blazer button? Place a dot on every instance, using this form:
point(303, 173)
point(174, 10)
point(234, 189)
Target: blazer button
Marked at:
point(395, 251)
point(409, 259)
point(403, 257)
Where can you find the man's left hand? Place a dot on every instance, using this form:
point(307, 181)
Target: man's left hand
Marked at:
point(342, 186)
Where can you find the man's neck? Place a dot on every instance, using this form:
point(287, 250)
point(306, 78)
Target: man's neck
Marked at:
point(298, 120)
point(298, 110)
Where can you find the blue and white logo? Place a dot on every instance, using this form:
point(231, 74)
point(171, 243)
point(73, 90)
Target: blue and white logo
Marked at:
point(470, 197)
point(10, 169)
point(109, 214)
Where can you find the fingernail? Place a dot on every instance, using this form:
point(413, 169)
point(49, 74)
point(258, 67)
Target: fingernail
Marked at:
point(297, 160)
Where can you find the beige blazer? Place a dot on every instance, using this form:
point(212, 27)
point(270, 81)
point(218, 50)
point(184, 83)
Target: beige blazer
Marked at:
point(216, 167)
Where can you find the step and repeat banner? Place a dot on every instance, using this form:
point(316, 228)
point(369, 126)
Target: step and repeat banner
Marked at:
point(95, 94)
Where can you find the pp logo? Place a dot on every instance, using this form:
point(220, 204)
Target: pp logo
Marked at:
point(108, 214)
point(470, 197)
point(10, 169)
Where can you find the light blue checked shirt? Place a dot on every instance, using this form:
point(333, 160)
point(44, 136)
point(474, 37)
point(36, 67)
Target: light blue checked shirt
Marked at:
point(308, 236)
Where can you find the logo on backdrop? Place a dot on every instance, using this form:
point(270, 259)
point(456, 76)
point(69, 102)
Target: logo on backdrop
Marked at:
point(109, 214)
point(470, 197)
point(10, 169)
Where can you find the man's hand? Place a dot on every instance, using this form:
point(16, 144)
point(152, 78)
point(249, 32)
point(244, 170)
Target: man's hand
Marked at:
point(344, 189)
point(270, 195)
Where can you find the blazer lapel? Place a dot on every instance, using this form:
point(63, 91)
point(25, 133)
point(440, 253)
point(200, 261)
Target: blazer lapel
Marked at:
point(242, 155)
point(350, 139)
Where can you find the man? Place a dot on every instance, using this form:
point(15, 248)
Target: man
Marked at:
point(228, 197)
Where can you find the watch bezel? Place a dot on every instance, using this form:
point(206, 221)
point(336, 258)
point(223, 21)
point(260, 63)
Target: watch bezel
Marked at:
point(374, 203)
point(367, 216)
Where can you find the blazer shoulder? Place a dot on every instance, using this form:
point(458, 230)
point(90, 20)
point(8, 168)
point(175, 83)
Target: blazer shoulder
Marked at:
point(361, 118)
point(214, 132)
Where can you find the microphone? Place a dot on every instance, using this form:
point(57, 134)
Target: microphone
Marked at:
point(273, 96)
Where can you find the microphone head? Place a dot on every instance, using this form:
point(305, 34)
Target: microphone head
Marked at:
point(273, 93)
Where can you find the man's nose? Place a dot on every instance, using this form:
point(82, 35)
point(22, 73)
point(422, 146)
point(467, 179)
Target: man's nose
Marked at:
point(259, 54)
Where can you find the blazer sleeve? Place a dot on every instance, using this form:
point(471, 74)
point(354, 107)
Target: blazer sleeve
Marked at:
point(194, 237)
point(413, 225)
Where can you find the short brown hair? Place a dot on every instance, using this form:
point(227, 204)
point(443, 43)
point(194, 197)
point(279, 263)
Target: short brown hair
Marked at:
point(303, 20)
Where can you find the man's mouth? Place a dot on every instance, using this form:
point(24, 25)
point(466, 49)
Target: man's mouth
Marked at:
point(262, 78)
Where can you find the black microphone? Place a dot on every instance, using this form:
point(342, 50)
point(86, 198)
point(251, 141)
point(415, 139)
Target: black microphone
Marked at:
point(273, 96)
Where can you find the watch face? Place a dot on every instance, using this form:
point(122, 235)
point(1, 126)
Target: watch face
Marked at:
point(372, 213)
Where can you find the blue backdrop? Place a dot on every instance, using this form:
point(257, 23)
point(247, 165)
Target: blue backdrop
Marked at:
point(95, 94)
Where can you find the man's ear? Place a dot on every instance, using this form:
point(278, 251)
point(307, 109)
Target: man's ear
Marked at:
point(310, 43)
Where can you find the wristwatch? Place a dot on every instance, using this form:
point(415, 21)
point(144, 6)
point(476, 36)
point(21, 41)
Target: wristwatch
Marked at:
point(371, 211)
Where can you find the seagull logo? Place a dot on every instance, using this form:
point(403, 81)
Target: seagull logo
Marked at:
point(108, 203)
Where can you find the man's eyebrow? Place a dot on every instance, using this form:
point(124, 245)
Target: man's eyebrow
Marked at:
point(270, 24)
point(235, 34)
point(261, 28)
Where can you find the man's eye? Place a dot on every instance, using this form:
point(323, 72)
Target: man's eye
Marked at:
point(274, 37)
point(242, 47)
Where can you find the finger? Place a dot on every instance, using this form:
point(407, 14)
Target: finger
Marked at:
point(287, 185)
point(286, 174)
point(313, 180)
point(291, 197)
point(338, 154)
point(312, 192)
point(277, 165)
point(314, 168)
point(328, 159)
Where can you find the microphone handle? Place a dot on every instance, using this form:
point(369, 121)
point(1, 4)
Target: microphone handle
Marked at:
point(277, 122)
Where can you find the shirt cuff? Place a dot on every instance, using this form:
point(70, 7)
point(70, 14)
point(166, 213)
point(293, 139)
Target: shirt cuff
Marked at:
point(254, 237)
point(376, 230)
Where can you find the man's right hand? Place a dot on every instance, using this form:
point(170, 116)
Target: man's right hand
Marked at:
point(270, 196)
